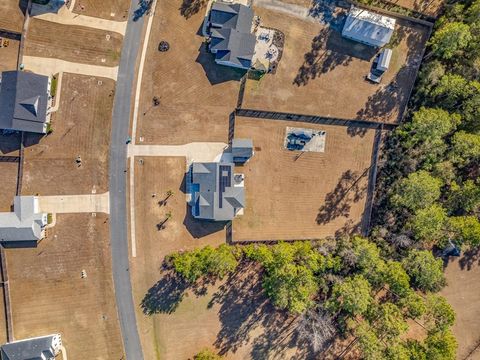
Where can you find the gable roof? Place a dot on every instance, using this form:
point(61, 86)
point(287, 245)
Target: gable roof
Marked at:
point(233, 46)
point(367, 27)
point(40, 348)
point(23, 101)
point(25, 223)
point(231, 16)
point(216, 198)
point(242, 148)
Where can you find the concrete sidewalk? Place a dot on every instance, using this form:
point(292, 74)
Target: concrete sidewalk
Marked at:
point(66, 17)
point(50, 66)
point(197, 151)
point(63, 204)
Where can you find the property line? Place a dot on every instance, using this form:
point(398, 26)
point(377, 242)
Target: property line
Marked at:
point(6, 295)
point(26, 22)
point(275, 115)
point(20, 166)
point(134, 128)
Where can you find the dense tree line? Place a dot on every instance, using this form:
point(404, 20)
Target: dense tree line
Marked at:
point(344, 287)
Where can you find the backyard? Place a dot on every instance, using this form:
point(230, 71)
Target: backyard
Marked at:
point(107, 9)
point(322, 73)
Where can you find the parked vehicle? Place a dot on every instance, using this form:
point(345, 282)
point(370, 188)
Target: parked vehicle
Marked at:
point(380, 65)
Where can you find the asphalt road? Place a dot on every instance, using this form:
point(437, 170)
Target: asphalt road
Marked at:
point(118, 183)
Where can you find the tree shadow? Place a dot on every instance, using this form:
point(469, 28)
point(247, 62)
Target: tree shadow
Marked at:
point(470, 259)
point(47, 7)
point(338, 202)
point(330, 50)
point(191, 7)
point(357, 131)
point(216, 73)
point(9, 143)
point(144, 8)
point(165, 295)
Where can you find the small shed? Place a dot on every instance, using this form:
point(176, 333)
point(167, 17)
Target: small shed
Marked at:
point(368, 28)
point(242, 150)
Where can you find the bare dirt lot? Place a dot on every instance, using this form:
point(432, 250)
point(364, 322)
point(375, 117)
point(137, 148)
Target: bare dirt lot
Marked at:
point(176, 321)
point(9, 145)
point(430, 7)
point(9, 55)
point(77, 43)
point(49, 296)
point(81, 126)
point(11, 15)
point(107, 9)
point(196, 95)
point(292, 195)
point(463, 293)
point(322, 73)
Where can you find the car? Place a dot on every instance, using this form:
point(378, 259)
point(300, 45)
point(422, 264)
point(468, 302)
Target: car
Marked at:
point(380, 65)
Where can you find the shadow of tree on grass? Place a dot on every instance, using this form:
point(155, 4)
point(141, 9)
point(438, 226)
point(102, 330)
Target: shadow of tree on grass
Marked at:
point(191, 7)
point(165, 295)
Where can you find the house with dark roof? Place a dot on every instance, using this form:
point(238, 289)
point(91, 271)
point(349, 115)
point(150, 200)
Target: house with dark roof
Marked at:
point(231, 37)
point(25, 225)
point(24, 101)
point(38, 348)
point(368, 28)
point(217, 194)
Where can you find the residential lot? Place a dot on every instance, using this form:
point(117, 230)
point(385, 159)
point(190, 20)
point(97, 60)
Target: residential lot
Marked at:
point(196, 95)
point(430, 7)
point(9, 55)
point(77, 44)
point(11, 15)
point(81, 126)
point(175, 321)
point(293, 195)
point(322, 73)
point(463, 293)
point(106, 9)
point(49, 295)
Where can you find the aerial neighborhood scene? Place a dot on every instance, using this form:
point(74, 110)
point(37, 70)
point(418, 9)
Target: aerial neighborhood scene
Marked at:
point(240, 179)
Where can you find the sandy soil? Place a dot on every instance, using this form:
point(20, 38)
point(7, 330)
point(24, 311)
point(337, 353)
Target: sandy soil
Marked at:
point(196, 95)
point(80, 127)
point(11, 15)
point(49, 296)
point(78, 44)
point(321, 73)
point(9, 56)
point(429, 7)
point(463, 293)
point(293, 195)
point(107, 9)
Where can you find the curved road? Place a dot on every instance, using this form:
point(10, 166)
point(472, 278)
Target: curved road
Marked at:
point(118, 179)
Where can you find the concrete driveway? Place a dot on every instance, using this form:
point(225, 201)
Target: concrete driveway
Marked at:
point(63, 204)
point(50, 66)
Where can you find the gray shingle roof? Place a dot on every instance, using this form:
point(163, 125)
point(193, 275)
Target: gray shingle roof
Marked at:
point(231, 16)
point(30, 349)
point(25, 223)
point(23, 101)
point(216, 197)
point(231, 45)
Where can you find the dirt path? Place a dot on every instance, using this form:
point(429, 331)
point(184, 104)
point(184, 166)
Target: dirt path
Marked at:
point(50, 66)
point(75, 203)
point(66, 17)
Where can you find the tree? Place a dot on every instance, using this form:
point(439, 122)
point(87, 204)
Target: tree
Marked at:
point(397, 278)
point(368, 260)
point(464, 198)
point(353, 295)
point(440, 314)
point(441, 345)
point(417, 191)
point(207, 354)
point(317, 328)
point(426, 272)
point(429, 224)
point(466, 229)
point(450, 40)
point(429, 127)
point(388, 321)
point(414, 305)
point(466, 148)
point(451, 90)
point(368, 342)
point(397, 352)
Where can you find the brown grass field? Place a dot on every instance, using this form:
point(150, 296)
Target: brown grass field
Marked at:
point(196, 96)
point(429, 7)
point(292, 195)
point(321, 73)
point(77, 43)
point(80, 127)
point(175, 321)
point(48, 294)
point(463, 293)
point(107, 9)
point(9, 56)
point(9, 146)
point(11, 15)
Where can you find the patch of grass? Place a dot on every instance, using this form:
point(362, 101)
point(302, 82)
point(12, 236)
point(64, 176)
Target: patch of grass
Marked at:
point(49, 128)
point(54, 85)
point(114, 55)
point(49, 218)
